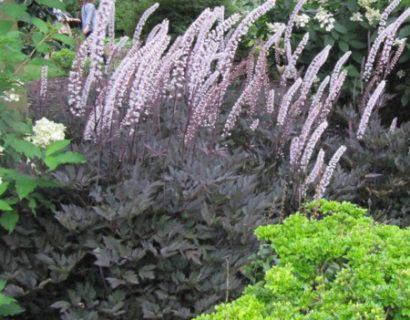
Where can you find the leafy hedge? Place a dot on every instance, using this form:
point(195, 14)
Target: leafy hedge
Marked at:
point(180, 13)
point(344, 266)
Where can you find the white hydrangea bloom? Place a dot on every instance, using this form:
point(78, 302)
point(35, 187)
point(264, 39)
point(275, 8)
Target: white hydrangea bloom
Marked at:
point(11, 96)
point(1, 150)
point(47, 132)
point(372, 15)
point(325, 19)
point(357, 16)
point(302, 20)
point(273, 27)
point(366, 3)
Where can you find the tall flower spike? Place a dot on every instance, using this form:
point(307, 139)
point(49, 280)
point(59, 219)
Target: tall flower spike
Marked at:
point(388, 34)
point(294, 151)
point(396, 57)
point(319, 92)
point(270, 101)
point(113, 53)
point(275, 38)
point(75, 83)
point(240, 31)
point(296, 55)
point(310, 146)
point(307, 126)
point(312, 72)
point(368, 110)
point(371, 56)
point(393, 126)
point(286, 100)
point(288, 32)
point(317, 168)
point(333, 94)
point(338, 66)
point(141, 22)
point(386, 13)
point(43, 86)
point(327, 175)
point(96, 43)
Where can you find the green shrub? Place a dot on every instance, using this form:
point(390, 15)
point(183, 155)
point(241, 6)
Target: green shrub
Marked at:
point(180, 13)
point(63, 58)
point(344, 266)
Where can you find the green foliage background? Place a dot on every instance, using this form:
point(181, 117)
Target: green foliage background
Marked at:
point(180, 13)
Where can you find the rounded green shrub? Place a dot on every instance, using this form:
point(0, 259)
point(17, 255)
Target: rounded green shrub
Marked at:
point(344, 266)
point(63, 58)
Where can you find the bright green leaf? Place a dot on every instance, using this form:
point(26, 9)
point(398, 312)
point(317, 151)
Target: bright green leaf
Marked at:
point(5, 299)
point(43, 47)
point(25, 185)
point(37, 37)
point(3, 187)
point(13, 10)
point(2, 284)
point(51, 162)
point(67, 157)
point(5, 26)
point(4, 206)
point(64, 39)
point(8, 220)
point(10, 309)
point(56, 147)
point(71, 157)
point(40, 24)
point(52, 4)
point(23, 146)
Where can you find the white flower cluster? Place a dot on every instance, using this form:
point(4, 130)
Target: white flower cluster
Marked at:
point(366, 3)
point(302, 20)
point(273, 27)
point(357, 16)
point(11, 96)
point(372, 15)
point(400, 74)
point(399, 41)
point(325, 18)
point(46, 132)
